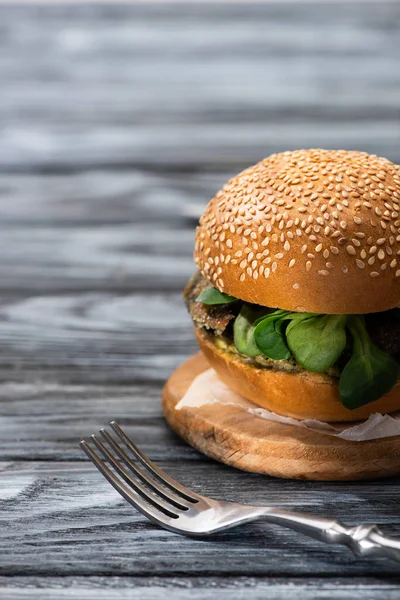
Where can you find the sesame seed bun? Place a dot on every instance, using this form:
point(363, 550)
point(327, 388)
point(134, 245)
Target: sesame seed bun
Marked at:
point(309, 230)
point(303, 395)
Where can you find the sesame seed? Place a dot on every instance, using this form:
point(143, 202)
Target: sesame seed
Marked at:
point(254, 205)
point(296, 286)
point(375, 274)
point(323, 272)
point(292, 262)
point(308, 265)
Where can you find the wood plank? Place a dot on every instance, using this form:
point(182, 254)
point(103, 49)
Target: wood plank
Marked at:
point(120, 257)
point(99, 230)
point(94, 338)
point(198, 588)
point(82, 86)
point(104, 197)
point(45, 420)
point(71, 517)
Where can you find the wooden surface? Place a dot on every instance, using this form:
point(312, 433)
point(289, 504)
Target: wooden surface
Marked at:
point(112, 119)
point(235, 437)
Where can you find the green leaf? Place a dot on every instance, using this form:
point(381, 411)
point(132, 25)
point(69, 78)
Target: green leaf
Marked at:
point(243, 331)
point(294, 318)
point(213, 296)
point(369, 374)
point(270, 338)
point(317, 342)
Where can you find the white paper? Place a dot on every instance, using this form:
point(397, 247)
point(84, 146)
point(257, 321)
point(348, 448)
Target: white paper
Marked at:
point(206, 388)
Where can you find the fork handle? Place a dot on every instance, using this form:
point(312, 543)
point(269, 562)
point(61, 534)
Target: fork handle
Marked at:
point(363, 540)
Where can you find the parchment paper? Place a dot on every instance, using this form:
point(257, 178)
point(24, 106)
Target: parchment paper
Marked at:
point(206, 388)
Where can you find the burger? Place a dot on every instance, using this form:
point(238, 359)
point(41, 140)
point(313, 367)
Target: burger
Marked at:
point(296, 298)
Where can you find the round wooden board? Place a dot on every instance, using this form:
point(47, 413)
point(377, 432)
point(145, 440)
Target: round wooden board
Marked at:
point(233, 436)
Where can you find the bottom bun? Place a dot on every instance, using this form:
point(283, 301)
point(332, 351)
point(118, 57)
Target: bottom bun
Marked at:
point(301, 395)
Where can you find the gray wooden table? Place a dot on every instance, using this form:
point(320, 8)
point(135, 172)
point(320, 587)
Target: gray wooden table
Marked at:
point(112, 119)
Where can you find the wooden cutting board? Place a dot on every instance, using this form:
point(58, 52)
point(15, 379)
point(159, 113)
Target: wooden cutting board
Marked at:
point(233, 436)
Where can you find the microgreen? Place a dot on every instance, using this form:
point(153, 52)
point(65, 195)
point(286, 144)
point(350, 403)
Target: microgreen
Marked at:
point(269, 336)
point(213, 296)
point(370, 373)
point(317, 342)
point(243, 331)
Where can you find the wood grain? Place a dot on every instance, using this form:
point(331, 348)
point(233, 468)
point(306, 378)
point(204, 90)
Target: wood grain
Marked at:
point(197, 588)
point(112, 119)
point(231, 435)
point(44, 421)
point(65, 519)
point(195, 87)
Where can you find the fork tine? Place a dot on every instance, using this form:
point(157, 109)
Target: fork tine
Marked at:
point(136, 485)
point(147, 509)
point(165, 493)
point(150, 466)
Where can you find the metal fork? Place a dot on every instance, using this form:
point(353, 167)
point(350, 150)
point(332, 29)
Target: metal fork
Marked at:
point(172, 506)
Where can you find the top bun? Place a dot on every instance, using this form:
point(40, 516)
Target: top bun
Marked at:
point(309, 230)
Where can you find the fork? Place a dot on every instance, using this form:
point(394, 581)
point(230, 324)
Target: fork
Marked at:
point(172, 506)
